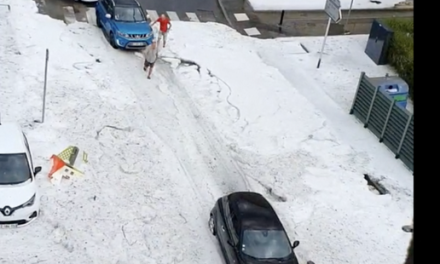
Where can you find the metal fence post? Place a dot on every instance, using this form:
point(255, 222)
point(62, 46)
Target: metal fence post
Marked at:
point(348, 16)
point(45, 85)
point(280, 25)
point(371, 107)
point(386, 120)
point(357, 92)
point(403, 136)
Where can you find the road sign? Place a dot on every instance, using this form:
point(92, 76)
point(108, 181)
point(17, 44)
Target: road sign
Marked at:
point(333, 10)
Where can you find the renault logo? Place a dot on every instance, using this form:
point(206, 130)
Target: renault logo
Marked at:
point(7, 211)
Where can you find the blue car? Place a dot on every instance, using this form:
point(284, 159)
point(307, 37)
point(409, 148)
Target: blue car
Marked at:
point(124, 24)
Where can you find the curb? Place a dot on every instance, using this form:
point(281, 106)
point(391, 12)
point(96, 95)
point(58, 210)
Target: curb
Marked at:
point(396, 8)
point(6, 5)
point(222, 7)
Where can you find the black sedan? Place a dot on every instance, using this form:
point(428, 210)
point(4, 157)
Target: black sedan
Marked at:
point(249, 230)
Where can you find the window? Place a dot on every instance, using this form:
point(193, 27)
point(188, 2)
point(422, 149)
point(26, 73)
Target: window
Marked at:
point(265, 244)
point(128, 14)
point(105, 5)
point(14, 169)
point(235, 223)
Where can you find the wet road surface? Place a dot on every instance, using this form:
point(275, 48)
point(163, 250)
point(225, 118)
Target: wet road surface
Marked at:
point(56, 9)
point(71, 11)
point(244, 21)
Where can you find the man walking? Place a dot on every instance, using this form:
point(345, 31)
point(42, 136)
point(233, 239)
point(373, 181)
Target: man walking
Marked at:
point(150, 54)
point(165, 26)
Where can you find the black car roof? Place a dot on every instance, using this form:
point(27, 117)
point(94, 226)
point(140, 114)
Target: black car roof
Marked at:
point(254, 211)
point(126, 2)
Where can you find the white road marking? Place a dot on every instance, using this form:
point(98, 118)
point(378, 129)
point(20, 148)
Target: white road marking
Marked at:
point(91, 16)
point(153, 15)
point(252, 31)
point(173, 16)
point(241, 17)
point(69, 15)
point(192, 17)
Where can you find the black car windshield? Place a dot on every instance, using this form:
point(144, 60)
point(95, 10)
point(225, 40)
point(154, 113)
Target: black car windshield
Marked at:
point(265, 244)
point(128, 14)
point(14, 169)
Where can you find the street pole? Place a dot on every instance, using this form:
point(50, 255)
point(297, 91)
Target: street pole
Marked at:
point(45, 85)
point(323, 43)
point(348, 16)
point(281, 21)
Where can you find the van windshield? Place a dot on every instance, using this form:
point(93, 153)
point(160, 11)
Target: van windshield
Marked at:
point(128, 14)
point(14, 169)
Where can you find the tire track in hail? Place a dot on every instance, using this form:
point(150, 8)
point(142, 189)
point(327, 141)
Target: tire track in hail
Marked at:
point(231, 168)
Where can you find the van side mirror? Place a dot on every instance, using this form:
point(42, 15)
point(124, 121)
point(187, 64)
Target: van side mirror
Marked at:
point(295, 244)
point(108, 16)
point(37, 170)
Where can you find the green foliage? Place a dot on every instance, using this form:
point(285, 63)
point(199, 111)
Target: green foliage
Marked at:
point(401, 51)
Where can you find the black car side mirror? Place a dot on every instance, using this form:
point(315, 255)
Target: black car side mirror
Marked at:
point(230, 243)
point(295, 244)
point(37, 170)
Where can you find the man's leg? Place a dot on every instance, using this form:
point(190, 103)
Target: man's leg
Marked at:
point(150, 70)
point(145, 65)
point(164, 38)
point(159, 37)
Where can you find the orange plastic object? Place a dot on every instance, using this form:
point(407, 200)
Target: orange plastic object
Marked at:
point(57, 164)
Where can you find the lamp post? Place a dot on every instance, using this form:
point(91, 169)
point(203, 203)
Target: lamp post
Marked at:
point(281, 21)
point(348, 17)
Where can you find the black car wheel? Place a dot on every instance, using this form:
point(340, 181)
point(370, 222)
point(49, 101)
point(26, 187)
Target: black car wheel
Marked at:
point(112, 40)
point(211, 225)
point(98, 22)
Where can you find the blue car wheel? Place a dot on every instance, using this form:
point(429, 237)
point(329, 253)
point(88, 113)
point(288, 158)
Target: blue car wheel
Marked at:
point(98, 22)
point(113, 41)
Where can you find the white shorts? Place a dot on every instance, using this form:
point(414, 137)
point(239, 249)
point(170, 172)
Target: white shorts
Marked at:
point(163, 35)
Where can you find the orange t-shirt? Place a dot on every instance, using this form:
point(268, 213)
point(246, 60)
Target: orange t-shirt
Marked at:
point(163, 23)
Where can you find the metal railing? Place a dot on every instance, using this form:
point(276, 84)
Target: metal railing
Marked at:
point(393, 125)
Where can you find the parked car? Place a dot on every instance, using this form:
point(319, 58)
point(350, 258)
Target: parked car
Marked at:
point(19, 197)
point(249, 230)
point(124, 23)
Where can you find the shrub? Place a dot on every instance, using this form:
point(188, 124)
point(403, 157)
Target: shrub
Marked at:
point(401, 51)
